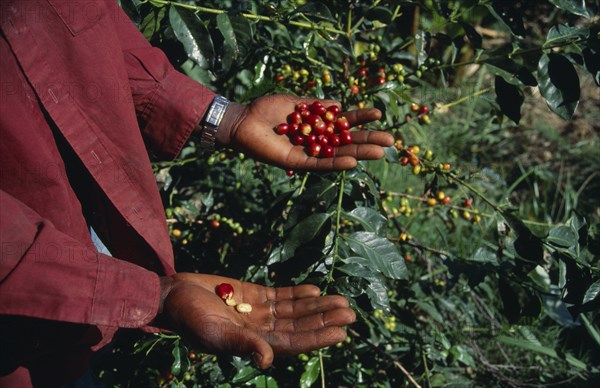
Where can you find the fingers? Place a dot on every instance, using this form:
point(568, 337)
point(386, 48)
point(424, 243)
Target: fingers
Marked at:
point(362, 116)
point(307, 306)
point(288, 343)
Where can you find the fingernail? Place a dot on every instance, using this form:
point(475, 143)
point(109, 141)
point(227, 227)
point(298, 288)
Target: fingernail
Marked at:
point(257, 357)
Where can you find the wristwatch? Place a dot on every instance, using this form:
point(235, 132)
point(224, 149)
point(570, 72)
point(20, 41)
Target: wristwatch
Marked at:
point(211, 121)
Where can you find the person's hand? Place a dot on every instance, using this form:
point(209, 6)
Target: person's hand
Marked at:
point(250, 129)
point(283, 321)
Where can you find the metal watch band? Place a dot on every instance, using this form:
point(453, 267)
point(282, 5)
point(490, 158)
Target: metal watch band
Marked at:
point(210, 124)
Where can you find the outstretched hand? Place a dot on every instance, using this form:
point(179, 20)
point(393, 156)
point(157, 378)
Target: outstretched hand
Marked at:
point(251, 130)
point(283, 321)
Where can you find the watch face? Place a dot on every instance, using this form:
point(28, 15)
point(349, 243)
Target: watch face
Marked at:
point(216, 111)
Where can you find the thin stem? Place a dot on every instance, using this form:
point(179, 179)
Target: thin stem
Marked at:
point(509, 55)
point(336, 235)
point(323, 383)
point(262, 18)
point(463, 99)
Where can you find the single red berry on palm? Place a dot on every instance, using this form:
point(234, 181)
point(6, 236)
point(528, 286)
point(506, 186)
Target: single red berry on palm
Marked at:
point(334, 109)
point(298, 139)
point(342, 124)
point(334, 140)
point(320, 127)
point(310, 139)
point(294, 118)
point(312, 119)
point(301, 107)
point(318, 108)
point(225, 291)
point(329, 116)
point(305, 128)
point(323, 140)
point(282, 129)
point(327, 151)
point(345, 137)
point(289, 172)
point(314, 149)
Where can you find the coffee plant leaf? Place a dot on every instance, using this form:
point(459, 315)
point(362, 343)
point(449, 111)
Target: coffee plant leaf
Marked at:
point(559, 84)
point(506, 13)
point(194, 36)
point(311, 372)
point(592, 293)
point(370, 219)
point(181, 362)
point(151, 23)
point(564, 32)
point(472, 34)
point(510, 99)
point(303, 233)
point(591, 57)
point(376, 288)
point(511, 307)
point(381, 254)
point(576, 7)
point(562, 236)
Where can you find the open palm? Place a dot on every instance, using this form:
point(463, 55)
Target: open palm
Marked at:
point(253, 134)
point(283, 321)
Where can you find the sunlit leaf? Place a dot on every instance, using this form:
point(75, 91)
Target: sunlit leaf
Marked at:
point(559, 84)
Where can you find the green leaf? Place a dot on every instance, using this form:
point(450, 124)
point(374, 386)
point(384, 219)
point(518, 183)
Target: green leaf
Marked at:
point(483, 255)
point(530, 250)
point(592, 293)
point(230, 45)
point(591, 57)
point(194, 36)
point(461, 354)
point(380, 253)
point(542, 350)
point(422, 41)
point(509, 98)
point(181, 362)
point(244, 374)
point(506, 13)
point(304, 232)
point(576, 7)
point(150, 26)
point(311, 372)
point(559, 84)
point(562, 236)
point(380, 14)
point(472, 35)
point(511, 307)
point(376, 289)
point(370, 219)
point(564, 32)
point(263, 381)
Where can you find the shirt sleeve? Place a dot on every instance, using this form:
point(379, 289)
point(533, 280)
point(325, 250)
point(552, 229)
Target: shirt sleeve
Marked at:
point(46, 274)
point(169, 105)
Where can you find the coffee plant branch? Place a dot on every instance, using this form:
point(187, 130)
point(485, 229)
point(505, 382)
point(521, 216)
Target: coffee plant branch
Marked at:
point(263, 18)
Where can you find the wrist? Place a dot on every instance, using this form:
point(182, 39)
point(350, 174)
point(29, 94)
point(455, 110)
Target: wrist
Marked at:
point(231, 119)
point(219, 124)
point(167, 283)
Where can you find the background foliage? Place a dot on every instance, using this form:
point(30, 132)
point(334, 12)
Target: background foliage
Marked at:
point(471, 253)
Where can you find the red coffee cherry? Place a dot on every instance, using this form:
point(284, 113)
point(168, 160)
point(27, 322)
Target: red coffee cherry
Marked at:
point(345, 137)
point(225, 291)
point(314, 149)
point(327, 151)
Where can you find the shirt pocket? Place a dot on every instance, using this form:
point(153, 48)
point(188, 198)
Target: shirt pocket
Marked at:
point(78, 16)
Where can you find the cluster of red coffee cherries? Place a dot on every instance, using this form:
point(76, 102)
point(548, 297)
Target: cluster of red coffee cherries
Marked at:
point(316, 127)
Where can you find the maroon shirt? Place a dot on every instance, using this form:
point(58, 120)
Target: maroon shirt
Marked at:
point(84, 97)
